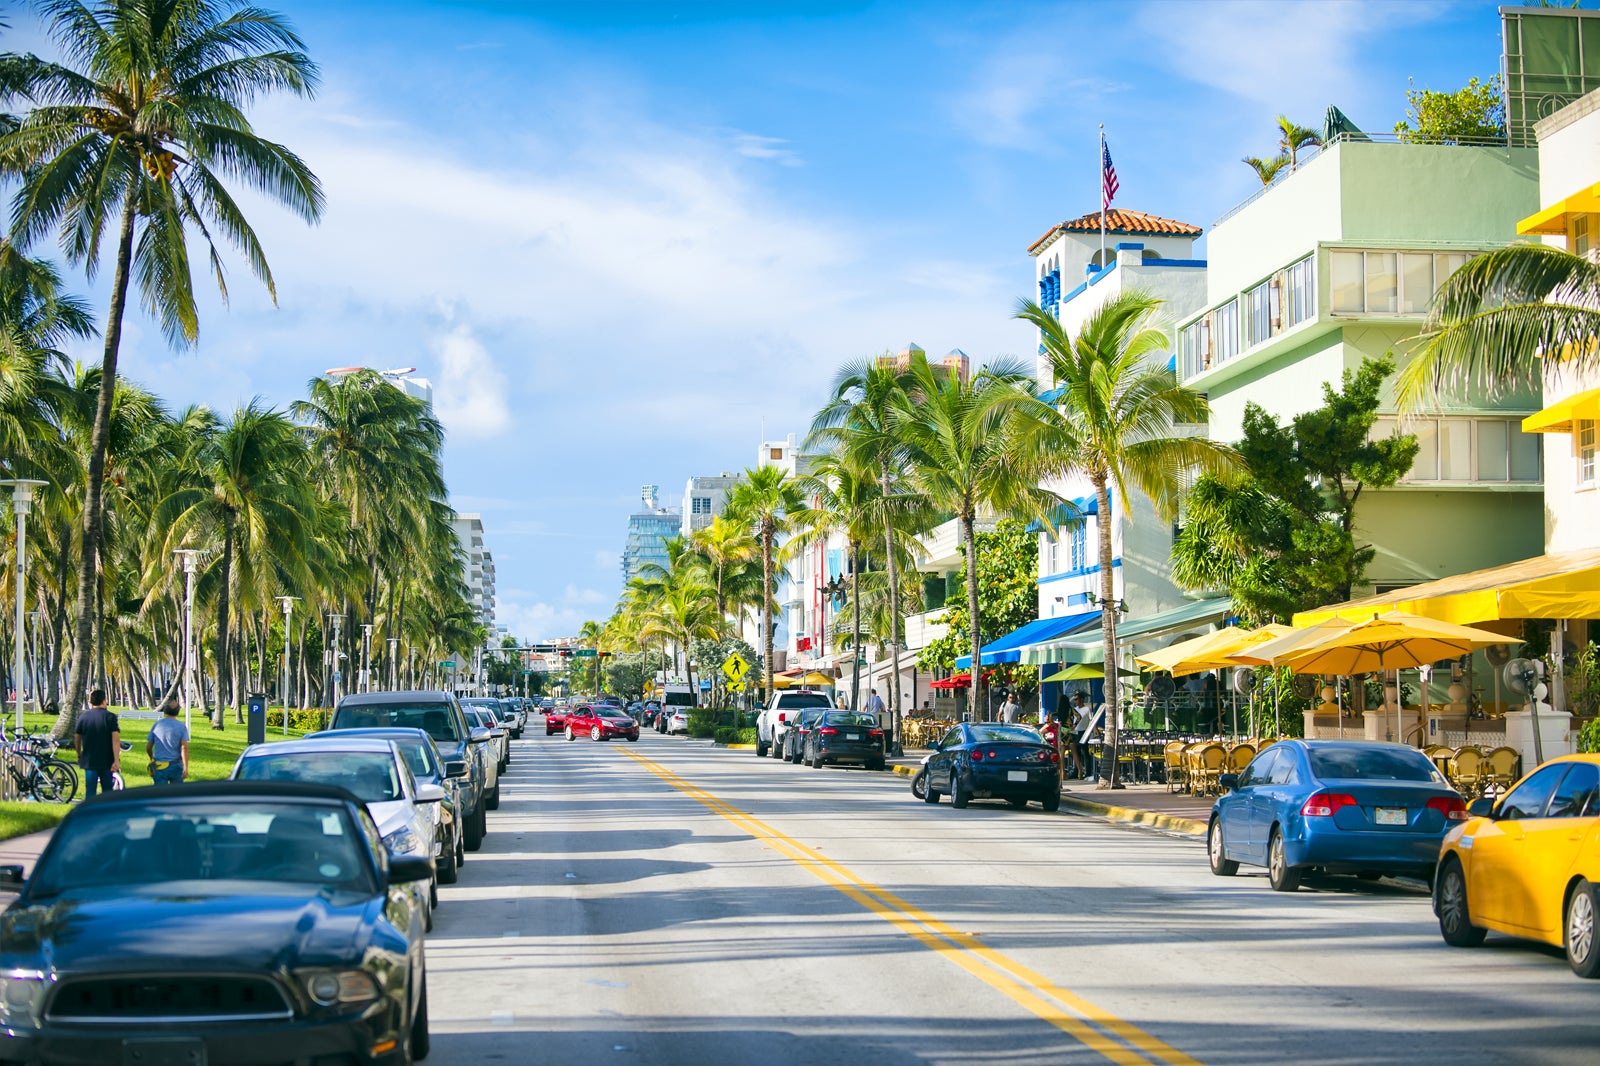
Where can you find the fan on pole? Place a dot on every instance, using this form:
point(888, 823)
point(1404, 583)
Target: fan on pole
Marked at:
point(1244, 683)
point(1161, 688)
point(1522, 678)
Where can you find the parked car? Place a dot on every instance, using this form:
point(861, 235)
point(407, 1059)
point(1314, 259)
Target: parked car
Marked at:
point(652, 710)
point(602, 723)
point(775, 718)
point(501, 719)
point(429, 768)
point(372, 769)
point(226, 921)
point(1345, 806)
point(555, 719)
point(978, 760)
point(511, 714)
point(606, 699)
point(676, 719)
point(485, 717)
point(793, 745)
point(467, 749)
point(845, 737)
point(1528, 865)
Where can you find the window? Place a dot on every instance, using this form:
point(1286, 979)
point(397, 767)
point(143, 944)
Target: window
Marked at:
point(1527, 800)
point(1576, 796)
point(1580, 235)
point(1080, 546)
point(1416, 272)
point(1047, 553)
point(1383, 283)
point(1455, 451)
point(1583, 442)
point(1225, 331)
point(1426, 468)
point(1447, 263)
point(1194, 352)
point(700, 505)
point(775, 454)
point(1258, 314)
point(1300, 292)
point(1468, 450)
point(1380, 282)
point(1346, 269)
point(1259, 772)
point(1492, 449)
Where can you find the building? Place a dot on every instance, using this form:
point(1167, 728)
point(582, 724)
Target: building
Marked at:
point(478, 566)
point(402, 378)
point(955, 361)
point(704, 498)
point(649, 529)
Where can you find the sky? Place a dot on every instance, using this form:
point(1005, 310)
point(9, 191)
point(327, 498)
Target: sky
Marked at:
point(624, 238)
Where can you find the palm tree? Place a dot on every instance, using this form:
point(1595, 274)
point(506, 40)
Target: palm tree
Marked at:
point(766, 502)
point(686, 612)
point(964, 455)
point(141, 127)
point(1117, 423)
point(1502, 321)
point(1267, 169)
point(1292, 138)
point(845, 503)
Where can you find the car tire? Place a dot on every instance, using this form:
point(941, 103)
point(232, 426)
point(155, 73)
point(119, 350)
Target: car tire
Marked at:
point(762, 749)
point(493, 801)
point(448, 874)
point(421, 1042)
point(475, 826)
point(919, 784)
point(461, 853)
point(1581, 938)
point(594, 732)
point(1051, 801)
point(877, 764)
point(958, 795)
point(1221, 865)
point(633, 739)
point(1280, 875)
point(570, 734)
point(1450, 903)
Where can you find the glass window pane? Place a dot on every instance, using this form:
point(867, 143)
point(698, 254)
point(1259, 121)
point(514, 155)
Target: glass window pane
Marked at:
point(1426, 468)
point(1455, 450)
point(1346, 281)
point(1382, 428)
point(1447, 263)
point(1417, 282)
point(1525, 454)
point(1492, 449)
point(1383, 288)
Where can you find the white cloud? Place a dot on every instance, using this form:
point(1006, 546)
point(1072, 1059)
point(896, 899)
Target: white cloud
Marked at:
point(470, 392)
point(530, 618)
point(755, 146)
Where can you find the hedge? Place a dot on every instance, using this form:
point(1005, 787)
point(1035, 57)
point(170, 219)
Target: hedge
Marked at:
point(309, 720)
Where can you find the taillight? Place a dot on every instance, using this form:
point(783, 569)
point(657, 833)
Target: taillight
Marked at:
point(1454, 808)
point(993, 754)
point(782, 717)
point(827, 731)
point(1052, 756)
point(875, 733)
point(1326, 804)
point(977, 756)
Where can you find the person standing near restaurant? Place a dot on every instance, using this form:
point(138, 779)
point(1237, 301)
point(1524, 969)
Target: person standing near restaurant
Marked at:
point(98, 742)
point(168, 747)
point(1011, 710)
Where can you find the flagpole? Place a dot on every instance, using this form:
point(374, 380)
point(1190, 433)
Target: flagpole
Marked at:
point(1100, 162)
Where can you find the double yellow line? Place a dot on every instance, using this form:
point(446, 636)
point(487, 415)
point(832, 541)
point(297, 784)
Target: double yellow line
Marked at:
point(1094, 1028)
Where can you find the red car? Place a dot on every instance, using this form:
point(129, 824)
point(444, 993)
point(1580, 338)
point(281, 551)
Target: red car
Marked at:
point(601, 723)
point(555, 719)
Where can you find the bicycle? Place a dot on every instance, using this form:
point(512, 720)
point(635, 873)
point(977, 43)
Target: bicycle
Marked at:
point(35, 772)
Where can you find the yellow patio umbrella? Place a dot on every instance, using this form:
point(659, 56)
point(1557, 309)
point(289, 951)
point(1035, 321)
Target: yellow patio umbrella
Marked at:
point(780, 681)
point(815, 678)
point(1176, 659)
point(1278, 649)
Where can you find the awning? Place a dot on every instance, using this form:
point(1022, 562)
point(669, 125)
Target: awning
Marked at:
point(1150, 627)
point(1564, 585)
point(1008, 649)
point(1559, 416)
point(1086, 505)
point(1552, 221)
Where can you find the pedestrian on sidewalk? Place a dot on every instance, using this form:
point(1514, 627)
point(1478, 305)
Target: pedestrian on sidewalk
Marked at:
point(874, 706)
point(1011, 710)
point(168, 747)
point(98, 742)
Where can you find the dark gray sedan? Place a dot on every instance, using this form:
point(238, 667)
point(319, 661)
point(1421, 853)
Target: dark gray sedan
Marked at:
point(845, 737)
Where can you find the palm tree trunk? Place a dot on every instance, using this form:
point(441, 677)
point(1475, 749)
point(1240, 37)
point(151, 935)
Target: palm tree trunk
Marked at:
point(855, 627)
point(969, 536)
point(93, 501)
point(223, 664)
point(766, 609)
point(894, 623)
point(1108, 628)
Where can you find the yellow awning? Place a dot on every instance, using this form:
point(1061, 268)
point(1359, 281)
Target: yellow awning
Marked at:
point(1559, 416)
point(1563, 585)
point(1552, 221)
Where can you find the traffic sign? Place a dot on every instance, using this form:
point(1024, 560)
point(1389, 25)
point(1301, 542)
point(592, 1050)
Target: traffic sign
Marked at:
point(448, 664)
point(583, 653)
point(735, 686)
point(734, 667)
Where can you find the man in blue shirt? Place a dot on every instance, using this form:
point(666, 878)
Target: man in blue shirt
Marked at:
point(168, 747)
point(98, 742)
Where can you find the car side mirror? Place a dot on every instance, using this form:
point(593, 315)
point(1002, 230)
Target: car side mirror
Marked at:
point(1229, 781)
point(455, 768)
point(1481, 808)
point(404, 869)
point(11, 878)
point(430, 793)
point(481, 735)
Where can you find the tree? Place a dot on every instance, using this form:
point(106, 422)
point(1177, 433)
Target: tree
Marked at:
point(766, 501)
point(1502, 321)
point(1292, 138)
point(1284, 539)
point(1118, 424)
point(686, 612)
point(1473, 114)
point(141, 127)
point(1008, 598)
point(968, 451)
point(845, 502)
point(1267, 169)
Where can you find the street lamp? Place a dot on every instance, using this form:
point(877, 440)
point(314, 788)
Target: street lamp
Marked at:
point(288, 609)
point(34, 617)
point(337, 621)
point(21, 502)
point(394, 664)
point(191, 559)
point(366, 657)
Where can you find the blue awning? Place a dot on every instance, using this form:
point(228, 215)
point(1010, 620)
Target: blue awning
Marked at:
point(1085, 505)
point(1051, 396)
point(1008, 649)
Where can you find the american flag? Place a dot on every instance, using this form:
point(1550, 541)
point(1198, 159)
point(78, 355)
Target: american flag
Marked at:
point(1108, 176)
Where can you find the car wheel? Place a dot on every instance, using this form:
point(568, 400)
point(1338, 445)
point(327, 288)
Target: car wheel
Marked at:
point(475, 831)
point(958, 795)
point(1221, 865)
point(421, 1043)
point(493, 802)
point(461, 853)
point(762, 749)
point(919, 784)
point(433, 894)
point(447, 867)
point(876, 764)
point(1583, 953)
point(1450, 902)
point(1017, 802)
point(633, 738)
point(1280, 875)
point(594, 733)
point(570, 734)
point(1051, 801)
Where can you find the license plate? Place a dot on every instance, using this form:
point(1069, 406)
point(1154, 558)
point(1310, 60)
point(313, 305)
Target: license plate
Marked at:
point(1016, 775)
point(163, 1052)
point(1390, 815)
point(852, 736)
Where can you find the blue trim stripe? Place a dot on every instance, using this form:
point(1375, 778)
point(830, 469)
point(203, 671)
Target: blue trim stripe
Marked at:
point(1174, 263)
point(1095, 569)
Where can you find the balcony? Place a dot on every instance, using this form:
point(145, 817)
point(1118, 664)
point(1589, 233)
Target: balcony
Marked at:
point(925, 628)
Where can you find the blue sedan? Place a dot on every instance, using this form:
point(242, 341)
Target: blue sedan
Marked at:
point(1342, 806)
point(993, 761)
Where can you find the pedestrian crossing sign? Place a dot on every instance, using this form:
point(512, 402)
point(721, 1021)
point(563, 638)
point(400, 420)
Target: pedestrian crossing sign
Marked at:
point(734, 667)
point(735, 686)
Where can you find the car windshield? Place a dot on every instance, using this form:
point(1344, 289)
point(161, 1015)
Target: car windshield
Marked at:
point(850, 718)
point(612, 712)
point(1371, 764)
point(1005, 734)
point(369, 775)
point(434, 719)
point(223, 840)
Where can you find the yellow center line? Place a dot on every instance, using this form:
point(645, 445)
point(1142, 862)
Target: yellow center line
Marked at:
point(1070, 1013)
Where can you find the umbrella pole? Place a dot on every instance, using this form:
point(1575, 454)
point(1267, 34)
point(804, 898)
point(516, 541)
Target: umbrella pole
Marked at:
point(1338, 697)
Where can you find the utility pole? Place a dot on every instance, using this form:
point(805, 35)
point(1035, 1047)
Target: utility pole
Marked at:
point(288, 609)
point(337, 621)
point(191, 559)
point(366, 657)
point(22, 503)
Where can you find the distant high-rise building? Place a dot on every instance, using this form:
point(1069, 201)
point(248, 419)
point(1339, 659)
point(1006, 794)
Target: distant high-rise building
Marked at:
point(648, 530)
point(478, 567)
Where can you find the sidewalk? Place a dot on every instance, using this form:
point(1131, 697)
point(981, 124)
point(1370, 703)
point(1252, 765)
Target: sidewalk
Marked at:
point(24, 850)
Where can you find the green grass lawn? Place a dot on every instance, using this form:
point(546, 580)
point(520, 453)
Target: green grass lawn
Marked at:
point(212, 754)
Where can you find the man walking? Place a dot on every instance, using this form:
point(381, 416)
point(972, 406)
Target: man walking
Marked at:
point(874, 706)
point(168, 747)
point(98, 742)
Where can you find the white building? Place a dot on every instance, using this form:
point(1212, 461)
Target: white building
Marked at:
point(706, 497)
point(478, 566)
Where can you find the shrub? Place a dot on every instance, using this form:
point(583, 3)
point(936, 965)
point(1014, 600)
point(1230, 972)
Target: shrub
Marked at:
point(702, 723)
point(726, 735)
point(1589, 735)
point(309, 720)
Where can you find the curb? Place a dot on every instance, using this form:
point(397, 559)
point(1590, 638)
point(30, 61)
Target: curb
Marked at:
point(1171, 823)
point(905, 771)
point(736, 747)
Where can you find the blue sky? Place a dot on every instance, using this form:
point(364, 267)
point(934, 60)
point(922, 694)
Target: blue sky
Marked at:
point(621, 236)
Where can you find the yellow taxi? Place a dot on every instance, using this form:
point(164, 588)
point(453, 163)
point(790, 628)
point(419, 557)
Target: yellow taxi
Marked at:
point(1528, 865)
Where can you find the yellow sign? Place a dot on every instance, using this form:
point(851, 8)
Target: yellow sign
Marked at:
point(734, 667)
point(735, 686)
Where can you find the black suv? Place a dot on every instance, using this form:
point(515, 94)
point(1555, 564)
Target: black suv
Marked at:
point(464, 749)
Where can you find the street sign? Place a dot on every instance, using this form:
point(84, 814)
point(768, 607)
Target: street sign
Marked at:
point(448, 664)
point(583, 653)
point(735, 686)
point(734, 667)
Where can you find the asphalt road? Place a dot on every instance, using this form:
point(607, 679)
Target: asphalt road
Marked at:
point(668, 902)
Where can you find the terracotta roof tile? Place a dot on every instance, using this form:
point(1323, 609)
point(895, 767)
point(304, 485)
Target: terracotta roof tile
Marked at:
point(1119, 221)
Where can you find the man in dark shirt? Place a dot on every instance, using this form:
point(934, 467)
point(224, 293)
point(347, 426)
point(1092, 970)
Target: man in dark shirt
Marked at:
point(98, 742)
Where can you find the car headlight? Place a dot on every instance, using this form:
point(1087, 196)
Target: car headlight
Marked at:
point(347, 986)
point(21, 995)
point(402, 840)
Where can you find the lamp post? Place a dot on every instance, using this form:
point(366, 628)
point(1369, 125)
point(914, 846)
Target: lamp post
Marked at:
point(366, 657)
point(191, 559)
point(288, 610)
point(337, 621)
point(33, 656)
point(394, 663)
point(21, 502)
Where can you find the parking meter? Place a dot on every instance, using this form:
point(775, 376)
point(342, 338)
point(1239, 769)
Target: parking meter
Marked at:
point(256, 718)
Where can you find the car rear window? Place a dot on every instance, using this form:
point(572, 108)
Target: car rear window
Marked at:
point(369, 775)
point(848, 718)
point(679, 699)
point(1371, 764)
point(1005, 734)
point(804, 699)
point(434, 719)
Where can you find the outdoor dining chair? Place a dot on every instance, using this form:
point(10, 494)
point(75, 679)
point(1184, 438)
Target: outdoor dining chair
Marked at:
point(1177, 777)
point(1504, 767)
point(1467, 768)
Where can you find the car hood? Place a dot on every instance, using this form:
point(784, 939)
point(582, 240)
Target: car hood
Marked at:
point(156, 927)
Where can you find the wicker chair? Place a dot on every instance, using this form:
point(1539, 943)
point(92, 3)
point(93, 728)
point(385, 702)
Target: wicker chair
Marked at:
point(1467, 770)
point(1209, 763)
point(1504, 767)
point(1177, 773)
point(1239, 757)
